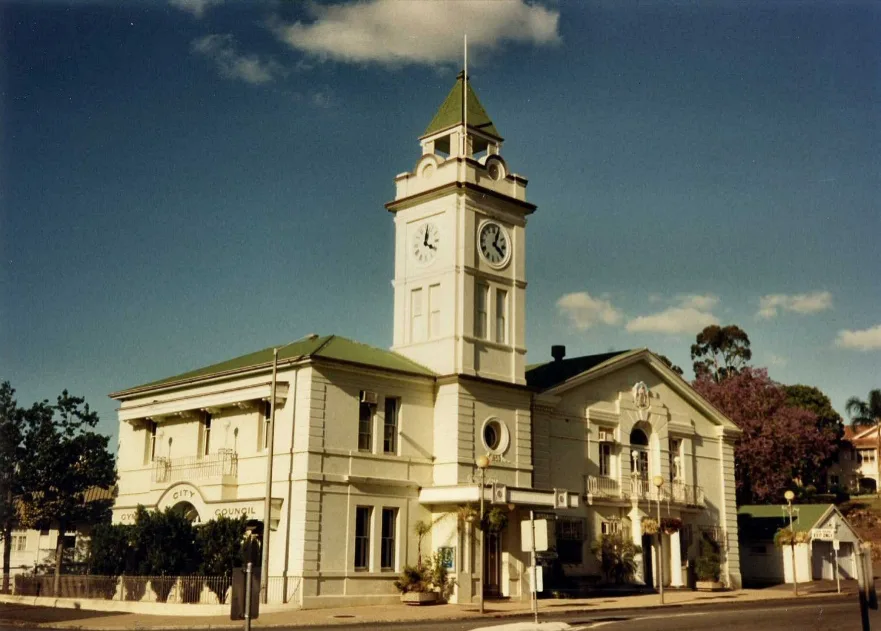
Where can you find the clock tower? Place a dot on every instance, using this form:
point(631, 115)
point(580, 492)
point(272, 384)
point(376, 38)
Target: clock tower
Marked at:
point(460, 227)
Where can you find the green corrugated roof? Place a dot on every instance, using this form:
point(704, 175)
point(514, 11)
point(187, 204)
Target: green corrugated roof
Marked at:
point(331, 347)
point(771, 517)
point(450, 112)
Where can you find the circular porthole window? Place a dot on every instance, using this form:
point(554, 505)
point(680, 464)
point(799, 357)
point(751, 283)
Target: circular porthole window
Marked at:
point(495, 436)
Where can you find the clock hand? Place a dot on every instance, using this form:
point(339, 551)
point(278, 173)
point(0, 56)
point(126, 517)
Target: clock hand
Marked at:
point(425, 240)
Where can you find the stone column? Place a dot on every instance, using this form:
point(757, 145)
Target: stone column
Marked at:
point(728, 508)
point(675, 561)
point(465, 585)
point(636, 535)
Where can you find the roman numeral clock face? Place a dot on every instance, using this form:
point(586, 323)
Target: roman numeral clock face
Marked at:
point(426, 241)
point(494, 244)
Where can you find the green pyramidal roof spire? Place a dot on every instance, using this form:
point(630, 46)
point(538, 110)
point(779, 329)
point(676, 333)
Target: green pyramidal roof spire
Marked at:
point(451, 113)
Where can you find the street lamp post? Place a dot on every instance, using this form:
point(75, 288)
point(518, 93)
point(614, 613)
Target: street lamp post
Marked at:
point(658, 481)
point(482, 463)
point(270, 452)
point(789, 495)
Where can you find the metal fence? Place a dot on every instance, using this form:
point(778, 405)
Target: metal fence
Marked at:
point(282, 589)
point(205, 590)
point(223, 462)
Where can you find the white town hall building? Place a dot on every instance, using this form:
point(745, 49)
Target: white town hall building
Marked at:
point(368, 441)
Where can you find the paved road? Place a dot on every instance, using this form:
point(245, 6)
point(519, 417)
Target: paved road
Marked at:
point(825, 615)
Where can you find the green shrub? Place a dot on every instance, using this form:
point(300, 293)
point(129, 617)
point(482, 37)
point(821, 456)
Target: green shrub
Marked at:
point(708, 566)
point(616, 556)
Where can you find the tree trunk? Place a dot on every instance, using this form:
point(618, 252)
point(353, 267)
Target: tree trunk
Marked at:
point(59, 559)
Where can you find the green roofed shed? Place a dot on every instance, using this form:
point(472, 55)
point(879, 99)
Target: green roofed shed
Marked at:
point(767, 519)
point(451, 112)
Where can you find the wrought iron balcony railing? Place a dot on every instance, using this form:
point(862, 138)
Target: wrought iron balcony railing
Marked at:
point(643, 489)
point(225, 462)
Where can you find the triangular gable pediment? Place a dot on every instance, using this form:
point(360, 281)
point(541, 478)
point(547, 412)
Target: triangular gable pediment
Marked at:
point(833, 515)
point(867, 433)
point(645, 357)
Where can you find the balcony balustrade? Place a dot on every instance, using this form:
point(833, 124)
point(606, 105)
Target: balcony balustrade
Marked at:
point(643, 489)
point(223, 463)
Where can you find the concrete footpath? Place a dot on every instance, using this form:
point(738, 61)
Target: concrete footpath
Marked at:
point(65, 618)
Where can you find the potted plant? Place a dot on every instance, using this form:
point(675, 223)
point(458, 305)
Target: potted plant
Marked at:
point(708, 567)
point(425, 583)
point(785, 537)
point(616, 556)
point(650, 526)
point(495, 520)
point(415, 586)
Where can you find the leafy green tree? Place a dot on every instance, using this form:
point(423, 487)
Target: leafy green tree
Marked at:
point(779, 443)
point(220, 548)
point(164, 545)
point(65, 459)
point(814, 400)
point(110, 550)
point(670, 364)
point(10, 456)
point(828, 422)
point(720, 352)
point(866, 414)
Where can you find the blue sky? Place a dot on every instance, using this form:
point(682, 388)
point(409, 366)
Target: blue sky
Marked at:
point(186, 182)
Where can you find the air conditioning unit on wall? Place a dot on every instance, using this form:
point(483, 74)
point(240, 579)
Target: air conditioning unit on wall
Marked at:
point(369, 397)
point(606, 435)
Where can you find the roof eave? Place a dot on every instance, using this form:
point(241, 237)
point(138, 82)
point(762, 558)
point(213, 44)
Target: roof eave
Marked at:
point(254, 369)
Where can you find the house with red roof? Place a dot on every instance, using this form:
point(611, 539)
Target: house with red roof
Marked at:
point(857, 465)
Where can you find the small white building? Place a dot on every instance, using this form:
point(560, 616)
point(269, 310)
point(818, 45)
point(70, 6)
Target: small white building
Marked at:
point(830, 542)
point(369, 441)
point(34, 548)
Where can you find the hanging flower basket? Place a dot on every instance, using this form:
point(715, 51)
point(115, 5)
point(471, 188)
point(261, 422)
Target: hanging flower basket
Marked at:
point(671, 525)
point(785, 537)
point(649, 526)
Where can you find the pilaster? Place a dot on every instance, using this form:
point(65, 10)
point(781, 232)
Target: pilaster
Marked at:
point(728, 509)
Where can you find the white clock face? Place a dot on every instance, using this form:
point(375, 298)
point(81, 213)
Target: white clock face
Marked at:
point(494, 244)
point(426, 241)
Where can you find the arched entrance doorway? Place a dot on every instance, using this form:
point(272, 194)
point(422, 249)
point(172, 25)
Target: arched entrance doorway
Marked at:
point(188, 511)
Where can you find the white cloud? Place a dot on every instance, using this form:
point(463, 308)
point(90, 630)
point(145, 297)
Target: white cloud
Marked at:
point(230, 63)
point(584, 311)
point(395, 32)
point(776, 360)
point(690, 314)
point(865, 340)
point(673, 320)
point(799, 303)
point(196, 7)
point(696, 301)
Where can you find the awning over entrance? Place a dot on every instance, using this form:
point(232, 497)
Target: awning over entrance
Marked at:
point(498, 494)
